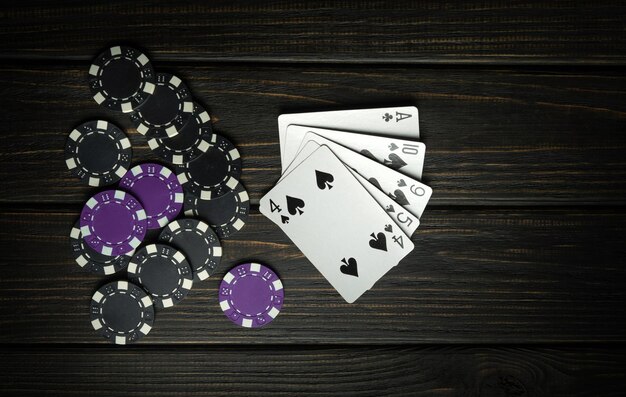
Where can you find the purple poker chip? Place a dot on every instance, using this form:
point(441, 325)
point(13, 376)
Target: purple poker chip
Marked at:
point(251, 295)
point(93, 261)
point(158, 190)
point(113, 222)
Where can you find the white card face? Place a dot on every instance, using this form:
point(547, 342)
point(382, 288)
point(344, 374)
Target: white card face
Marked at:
point(392, 121)
point(302, 155)
point(402, 155)
point(336, 224)
point(407, 192)
point(403, 218)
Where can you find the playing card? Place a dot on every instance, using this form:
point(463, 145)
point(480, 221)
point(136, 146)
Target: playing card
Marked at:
point(407, 192)
point(403, 218)
point(336, 224)
point(392, 121)
point(405, 156)
point(302, 155)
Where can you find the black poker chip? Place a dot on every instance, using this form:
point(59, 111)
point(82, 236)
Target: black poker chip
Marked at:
point(192, 140)
point(214, 173)
point(163, 272)
point(98, 153)
point(121, 78)
point(121, 312)
point(199, 243)
point(167, 111)
point(91, 260)
point(226, 214)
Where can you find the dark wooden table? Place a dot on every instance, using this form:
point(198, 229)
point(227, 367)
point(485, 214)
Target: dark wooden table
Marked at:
point(517, 283)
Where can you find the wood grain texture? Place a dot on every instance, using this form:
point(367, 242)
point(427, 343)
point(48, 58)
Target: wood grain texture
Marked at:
point(521, 32)
point(493, 136)
point(522, 108)
point(359, 371)
point(476, 276)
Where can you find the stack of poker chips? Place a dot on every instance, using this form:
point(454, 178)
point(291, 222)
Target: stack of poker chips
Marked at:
point(202, 174)
point(179, 131)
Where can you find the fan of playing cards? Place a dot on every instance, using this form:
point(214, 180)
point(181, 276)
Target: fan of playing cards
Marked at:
point(352, 177)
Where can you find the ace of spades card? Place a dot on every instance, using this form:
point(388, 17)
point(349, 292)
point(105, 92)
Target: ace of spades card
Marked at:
point(336, 223)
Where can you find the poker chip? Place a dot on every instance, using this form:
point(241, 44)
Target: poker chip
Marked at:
point(192, 140)
point(98, 153)
point(121, 312)
point(214, 173)
point(157, 189)
point(121, 78)
point(167, 111)
point(92, 261)
point(164, 273)
point(226, 214)
point(251, 295)
point(199, 243)
point(113, 223)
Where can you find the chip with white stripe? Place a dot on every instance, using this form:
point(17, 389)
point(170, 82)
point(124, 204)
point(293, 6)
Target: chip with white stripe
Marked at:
point(98, 153)
point(122, 312)
point(251, 295)
point(92, 261)
point(163, 271)
point(192, 140)
point(226, 214)
point(113, 222)
point(121, 78)
point(158, 190)
point(199, 243)
point(169, 109)
point(213, 174)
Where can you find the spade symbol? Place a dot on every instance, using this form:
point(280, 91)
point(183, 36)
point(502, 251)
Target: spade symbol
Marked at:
point(392, 146)
point(368, 154)
point(294, 205)
point(388, 228)
point(390, 208)
point(324, 179)
point(394, 162)
point(349, 267)
point(400, 198)
point(284, 219)
point(379, 241)
point(401, 183)
point(375, 182)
